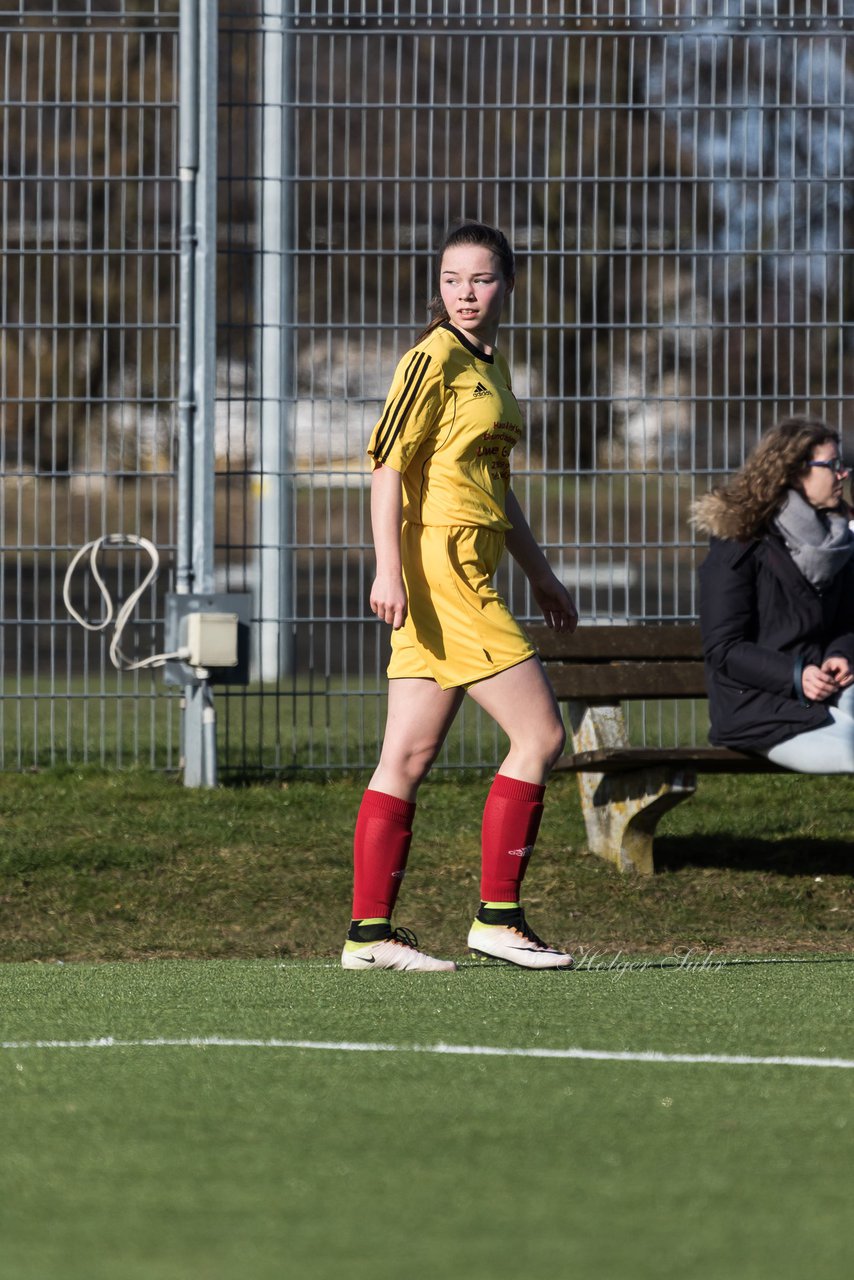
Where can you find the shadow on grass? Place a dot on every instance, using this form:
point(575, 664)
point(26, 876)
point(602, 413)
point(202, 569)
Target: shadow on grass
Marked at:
point(806, 857)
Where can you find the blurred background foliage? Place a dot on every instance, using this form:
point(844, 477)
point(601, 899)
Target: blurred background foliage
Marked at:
point(677, 182)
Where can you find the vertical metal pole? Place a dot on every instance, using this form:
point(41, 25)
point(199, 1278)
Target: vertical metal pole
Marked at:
point(198, 105)
point(274, 656)
point(204, 371)
point(188, 172)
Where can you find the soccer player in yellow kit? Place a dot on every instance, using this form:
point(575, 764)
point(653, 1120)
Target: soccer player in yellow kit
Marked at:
point(442, 511)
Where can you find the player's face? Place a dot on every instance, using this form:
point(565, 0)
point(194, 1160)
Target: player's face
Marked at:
point(473, 289)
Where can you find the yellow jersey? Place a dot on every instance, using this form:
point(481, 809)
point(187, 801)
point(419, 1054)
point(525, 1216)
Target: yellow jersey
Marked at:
point(449, 425)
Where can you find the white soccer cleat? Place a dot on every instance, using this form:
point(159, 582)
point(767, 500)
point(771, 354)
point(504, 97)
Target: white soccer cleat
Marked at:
point(516, 944)
point(399, 951)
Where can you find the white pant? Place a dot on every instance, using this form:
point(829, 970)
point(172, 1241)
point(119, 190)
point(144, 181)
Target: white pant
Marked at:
point(826, 750)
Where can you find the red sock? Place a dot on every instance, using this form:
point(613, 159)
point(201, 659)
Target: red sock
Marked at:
point(380, 849)
point(511, 820)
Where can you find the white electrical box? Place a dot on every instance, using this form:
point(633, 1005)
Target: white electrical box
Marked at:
point(211, 639)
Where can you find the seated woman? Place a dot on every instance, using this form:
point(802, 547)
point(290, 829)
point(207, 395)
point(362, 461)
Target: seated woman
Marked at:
point(777, 603)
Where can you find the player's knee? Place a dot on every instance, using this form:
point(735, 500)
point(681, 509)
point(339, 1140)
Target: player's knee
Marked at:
point(418, 758)
point(554, 742)
point(545, 743)
point(542, 743)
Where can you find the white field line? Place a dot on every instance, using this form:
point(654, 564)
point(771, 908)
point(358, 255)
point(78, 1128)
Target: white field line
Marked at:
point(454, 1050)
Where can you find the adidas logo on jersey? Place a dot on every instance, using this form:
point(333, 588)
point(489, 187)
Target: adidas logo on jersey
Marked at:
point(481, 390)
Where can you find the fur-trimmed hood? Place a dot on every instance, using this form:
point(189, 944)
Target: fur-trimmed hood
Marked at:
point(712, 514)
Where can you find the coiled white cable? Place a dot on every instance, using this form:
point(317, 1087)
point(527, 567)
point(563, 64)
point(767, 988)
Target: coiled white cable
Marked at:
point(127, 540)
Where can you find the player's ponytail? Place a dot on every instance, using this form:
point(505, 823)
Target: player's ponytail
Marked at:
point(438, 311)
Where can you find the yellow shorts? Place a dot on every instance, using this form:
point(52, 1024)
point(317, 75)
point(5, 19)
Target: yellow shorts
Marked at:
point(458, 628)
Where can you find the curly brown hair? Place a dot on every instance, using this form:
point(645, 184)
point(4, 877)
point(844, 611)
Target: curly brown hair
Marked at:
point(744, 508)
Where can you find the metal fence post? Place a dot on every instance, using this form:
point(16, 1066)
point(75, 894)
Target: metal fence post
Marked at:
point(274, 569)
point(197, 164)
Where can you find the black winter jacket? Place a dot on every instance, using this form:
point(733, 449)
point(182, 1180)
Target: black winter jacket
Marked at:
point(762, 622)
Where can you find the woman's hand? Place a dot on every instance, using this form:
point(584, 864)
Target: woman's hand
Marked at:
point(556, 603)
point(821, 683)
point(388, 599)
point(839, 669)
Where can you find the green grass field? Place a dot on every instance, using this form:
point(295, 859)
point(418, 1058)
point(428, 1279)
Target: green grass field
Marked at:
point(108, 865)
point(143, 923)
point(174, 1161)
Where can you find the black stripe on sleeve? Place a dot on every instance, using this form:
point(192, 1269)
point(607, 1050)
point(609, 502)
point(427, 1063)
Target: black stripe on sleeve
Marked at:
point(391, 423)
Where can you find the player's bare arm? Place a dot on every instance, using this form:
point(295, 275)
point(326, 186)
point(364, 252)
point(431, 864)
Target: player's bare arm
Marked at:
point(388, 593)
point(549, 592)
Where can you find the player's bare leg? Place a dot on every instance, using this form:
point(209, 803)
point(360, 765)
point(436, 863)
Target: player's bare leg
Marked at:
point(522, 702)
point(419, 716)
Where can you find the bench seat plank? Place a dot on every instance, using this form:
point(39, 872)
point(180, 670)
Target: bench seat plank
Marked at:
point(614, 681)
point(694, 759)
point(605, 643)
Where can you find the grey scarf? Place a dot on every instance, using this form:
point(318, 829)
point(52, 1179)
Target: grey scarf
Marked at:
point(819, 542)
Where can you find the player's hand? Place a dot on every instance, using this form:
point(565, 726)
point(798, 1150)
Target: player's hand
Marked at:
point(819, 685)
point(556, 603)
point(388, 599)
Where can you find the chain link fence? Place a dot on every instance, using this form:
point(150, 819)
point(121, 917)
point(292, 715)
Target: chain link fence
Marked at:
point(88, 361)
point(676, 179)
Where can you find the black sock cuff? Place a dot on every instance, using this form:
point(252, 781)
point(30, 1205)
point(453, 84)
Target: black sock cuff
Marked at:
point(510, 915)
point(359, 932)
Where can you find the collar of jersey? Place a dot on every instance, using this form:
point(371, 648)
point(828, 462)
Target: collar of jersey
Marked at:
point(469, 346)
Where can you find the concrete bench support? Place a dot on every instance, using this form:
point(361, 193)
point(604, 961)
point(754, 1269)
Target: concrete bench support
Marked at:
point(621, 810)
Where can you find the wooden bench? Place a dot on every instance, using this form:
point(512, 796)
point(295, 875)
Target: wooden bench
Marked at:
point(626, 789)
